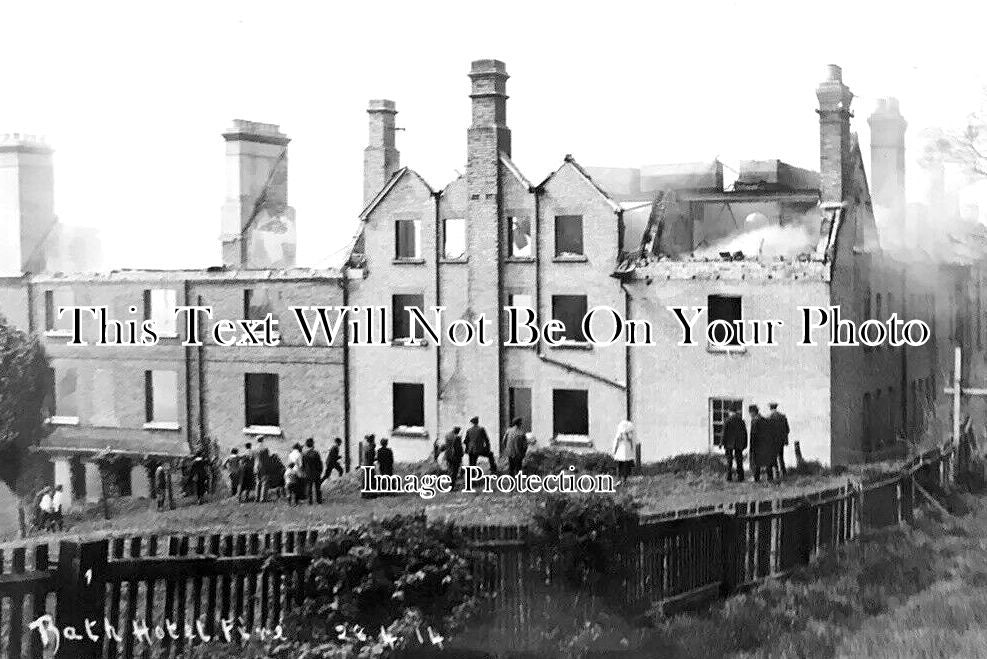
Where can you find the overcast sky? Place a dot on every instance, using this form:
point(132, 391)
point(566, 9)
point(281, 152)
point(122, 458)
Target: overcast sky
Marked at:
point(134, 98)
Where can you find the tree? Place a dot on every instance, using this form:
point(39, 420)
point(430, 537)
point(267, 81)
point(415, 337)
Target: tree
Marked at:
point(966, 147)
point(24, 383)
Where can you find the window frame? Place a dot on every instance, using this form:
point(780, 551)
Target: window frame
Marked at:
point(151, 420)
point(408, 429)
point(735, 345)
point(555, 300)
point(725, 404)
point(570, 437)
point(249, 415)
point(400, 315)
point(416, 233)
point(169, 328)
point(445, 239)
point(568, 254)
point(512, 225)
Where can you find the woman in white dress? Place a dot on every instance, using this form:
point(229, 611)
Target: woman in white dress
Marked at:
point(623, 449)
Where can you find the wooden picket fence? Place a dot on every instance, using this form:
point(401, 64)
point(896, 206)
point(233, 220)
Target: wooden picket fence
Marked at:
point(203, 584)
point(677, 560)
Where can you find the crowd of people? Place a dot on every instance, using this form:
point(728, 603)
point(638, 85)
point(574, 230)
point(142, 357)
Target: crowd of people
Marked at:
point(450, 449)
point(767, 440)
point(257, 473)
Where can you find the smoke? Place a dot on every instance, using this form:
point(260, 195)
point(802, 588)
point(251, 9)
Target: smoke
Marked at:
point(767, 242)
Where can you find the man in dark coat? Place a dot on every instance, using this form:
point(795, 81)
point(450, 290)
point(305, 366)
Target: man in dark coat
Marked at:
point(199, 477)
point(246, 473)
point(333, 457)
point(516, 445)
point(779, 431)
point(478, 444)
point(734, 443)
point(385, 459)
point(312, 468)
point(368, 458)
point(453, 449)
point(262, 470)
point(763, 454)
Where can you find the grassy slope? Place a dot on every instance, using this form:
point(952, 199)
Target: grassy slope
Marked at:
point(656, 493)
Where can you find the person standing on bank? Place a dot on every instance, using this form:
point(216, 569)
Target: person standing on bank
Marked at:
point(623, 449)
point(779, 430)
point(763, 453)
point(385, 459)
point(246, 473)
point(262, 469)
point(231, 465)
point(453, 449)
point(516, 446)
point(368, 458)
point(734, 444)
point(312, 469)
point(478, 444)
point(333, 457)
point(57, 505)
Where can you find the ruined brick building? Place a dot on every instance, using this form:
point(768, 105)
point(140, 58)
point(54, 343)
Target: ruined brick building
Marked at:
point(639, 240)
point(634, 239)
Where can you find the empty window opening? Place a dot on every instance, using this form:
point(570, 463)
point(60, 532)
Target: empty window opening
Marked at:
point(262, 407)
point(570, 310)
point(408, 406)
point(570, 413)
point(569, 235)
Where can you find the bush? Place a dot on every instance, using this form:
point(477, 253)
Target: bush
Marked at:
point(397, 574)
point(687, 462)
point(551, 460)
point(583, 535)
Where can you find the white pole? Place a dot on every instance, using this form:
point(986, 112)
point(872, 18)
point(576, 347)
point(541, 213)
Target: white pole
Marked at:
point(957, 393)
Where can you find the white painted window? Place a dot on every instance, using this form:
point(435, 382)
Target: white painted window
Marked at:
point(454, 238)
point(159, 306)
point(719, 410)
point(161, 399)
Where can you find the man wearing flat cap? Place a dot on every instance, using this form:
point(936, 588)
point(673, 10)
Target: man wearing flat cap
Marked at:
point(778, 424)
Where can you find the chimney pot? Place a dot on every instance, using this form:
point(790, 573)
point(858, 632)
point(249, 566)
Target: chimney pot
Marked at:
point(381, 105)
point(834, 73)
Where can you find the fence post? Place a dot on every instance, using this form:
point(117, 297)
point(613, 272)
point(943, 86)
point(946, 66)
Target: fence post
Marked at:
point(729, 536)
point(82, 595)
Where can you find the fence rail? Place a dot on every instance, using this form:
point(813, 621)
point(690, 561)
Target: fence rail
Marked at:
point(194, 585)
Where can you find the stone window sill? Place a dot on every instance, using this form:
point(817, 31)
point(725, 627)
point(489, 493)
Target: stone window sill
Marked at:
point(570, 258)
point(403, 261)
point(520, 259)
point(572, 440)
point(447, 260)
point(58, 333)
point(63, 420)
point(274, 431)
point(411, 432)
point(162, 425)
point(727, 350)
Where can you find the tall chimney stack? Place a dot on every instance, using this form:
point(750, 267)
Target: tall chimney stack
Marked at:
point(381, 157)
point(27, 204)
point(257, 198)
point(487, 138)
point(887, 159)
point(834, 134)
